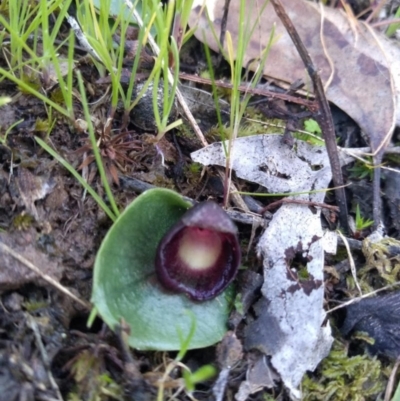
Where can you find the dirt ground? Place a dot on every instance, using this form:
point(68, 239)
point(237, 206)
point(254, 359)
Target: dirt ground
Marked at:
point(46, 350)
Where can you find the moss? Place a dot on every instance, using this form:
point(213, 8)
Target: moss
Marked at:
point(23, 221)
point(163, 182)
point(184, 130)
point(193, 173)
point(343, 378)
point(42, 125)
point(382, 265)
point(34, 305)
point(91, 381)
point(57, 96)
point(32, 80)
point(392, 158)
point(255, 123)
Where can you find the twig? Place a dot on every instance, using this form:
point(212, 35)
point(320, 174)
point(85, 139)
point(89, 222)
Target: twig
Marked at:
point(45, 358)
point(82, 38)
point(298, 202)
point(310, 104)
point(45, 277)
point(224, 22)
point(391, 381)
point(351, 261)
point(370, 294)
point(324, 116)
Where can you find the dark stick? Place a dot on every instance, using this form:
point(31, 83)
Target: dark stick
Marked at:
point(297, 202)
point(310, 104)
point(223, 28)
point(324, 116)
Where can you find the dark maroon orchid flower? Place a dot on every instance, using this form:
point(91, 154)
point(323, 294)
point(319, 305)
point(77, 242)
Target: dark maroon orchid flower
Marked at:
point(200, 255)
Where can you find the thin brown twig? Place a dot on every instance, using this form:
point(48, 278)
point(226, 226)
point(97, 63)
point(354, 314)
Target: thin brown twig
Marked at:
point(298, 202)
point(44, 276)
point(386, 22)
point(224, 23)
point(358, 299)
point(310, 104)
point(45, 358)
point(324, 117)
point(375, 11)
point(391, 381)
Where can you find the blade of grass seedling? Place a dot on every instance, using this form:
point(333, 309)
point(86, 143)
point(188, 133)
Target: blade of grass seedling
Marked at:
point(184, 346)
point(392, 28)
point(3, 139)
point(182, 14)
point(34, 92)
point(169, 92)
point(16, 41)
point(104, 35)
point(109, 63)
point(161, 65)
point(141, 44)
point(66, 86)
point(238, 105)
point(44, 23)
point(215, 98)
point(98, 31)
point(19, 15)
point(4, 100)
point(185, 341)
point(202, 374)
point(144, 89)
point(86, 26)
point(78, 177)
point(96, 152)
point(40, 19)
point(166, 44)
point(148, 21)
point(62, 6)
point(92, 316)
point(234, 92)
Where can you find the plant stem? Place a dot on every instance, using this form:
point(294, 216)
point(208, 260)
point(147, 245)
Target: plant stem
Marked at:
point(324, 116)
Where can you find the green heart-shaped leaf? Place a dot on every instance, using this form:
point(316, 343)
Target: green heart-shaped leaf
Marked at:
point(125, 285)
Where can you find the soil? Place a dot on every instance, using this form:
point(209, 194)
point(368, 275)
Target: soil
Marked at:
point(47, 352)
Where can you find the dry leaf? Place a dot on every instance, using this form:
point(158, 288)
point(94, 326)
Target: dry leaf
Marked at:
point(360, 66)
point(292, 247)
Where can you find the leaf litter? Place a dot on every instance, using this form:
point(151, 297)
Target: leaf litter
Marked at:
point(360, 67)
point(292, 241)
point(71, 232)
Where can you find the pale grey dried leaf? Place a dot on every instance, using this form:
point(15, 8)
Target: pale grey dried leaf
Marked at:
point(259, 375)
point(291, 241)
point(265, 160)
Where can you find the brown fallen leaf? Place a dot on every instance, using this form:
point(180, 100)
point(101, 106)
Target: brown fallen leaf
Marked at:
point(359, 66)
